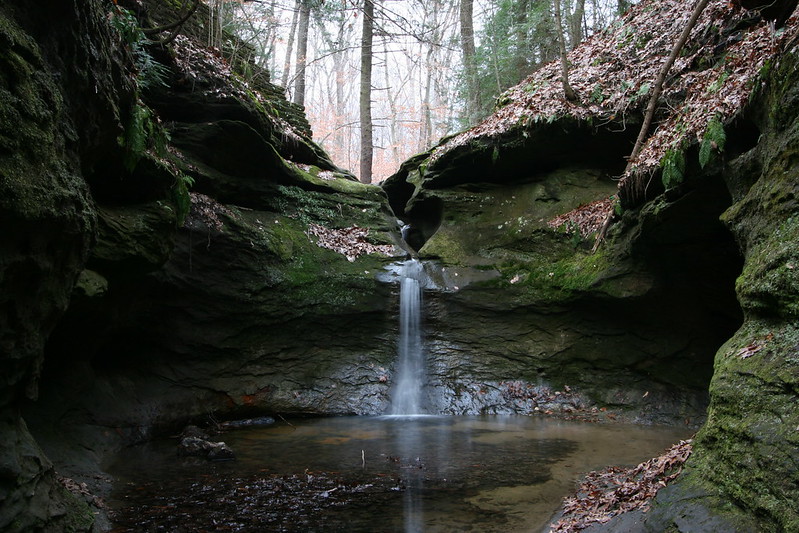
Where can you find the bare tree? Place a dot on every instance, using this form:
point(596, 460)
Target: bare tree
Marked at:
point(466, 13)
point(564, 61)
point(650, 109)
point(302, 51)
point(366, 91)
point(284, 79)
point(658, 88)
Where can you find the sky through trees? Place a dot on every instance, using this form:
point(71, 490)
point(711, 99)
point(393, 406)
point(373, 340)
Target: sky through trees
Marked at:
point(420, 88)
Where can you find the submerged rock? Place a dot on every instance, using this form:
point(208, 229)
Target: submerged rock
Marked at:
point(248, 422)
point(198, 447)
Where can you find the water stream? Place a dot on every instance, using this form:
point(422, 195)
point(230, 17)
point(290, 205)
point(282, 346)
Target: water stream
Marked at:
point(406, 396)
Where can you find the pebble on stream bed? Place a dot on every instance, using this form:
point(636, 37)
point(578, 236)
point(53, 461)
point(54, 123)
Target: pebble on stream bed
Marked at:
point(270, 502)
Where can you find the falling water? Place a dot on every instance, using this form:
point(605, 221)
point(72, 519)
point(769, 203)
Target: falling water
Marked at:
point(407, 393)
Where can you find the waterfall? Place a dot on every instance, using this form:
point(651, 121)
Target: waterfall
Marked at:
point(407, 392)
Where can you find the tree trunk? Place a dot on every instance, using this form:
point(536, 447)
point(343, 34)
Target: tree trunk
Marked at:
point(576, 24)
point(650, 108)
point(302, 51)
point(521, 61)
point(366, 92)
point(564, 62)
point(392, 108)
point(426, 138)
point(658, 88)
point(284, 79)
point(469, 67)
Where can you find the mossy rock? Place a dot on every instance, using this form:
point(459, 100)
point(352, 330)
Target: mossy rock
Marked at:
point(747, 448)
point(134, 239)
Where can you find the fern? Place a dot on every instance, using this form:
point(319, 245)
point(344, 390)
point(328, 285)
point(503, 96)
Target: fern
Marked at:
point(643, 90)
point(713, 141)
point(673, 164)
point(597, 96)
point(135, 140)
point(150, 73)
point(142, 132)
point(718, 83)
point(180, 195)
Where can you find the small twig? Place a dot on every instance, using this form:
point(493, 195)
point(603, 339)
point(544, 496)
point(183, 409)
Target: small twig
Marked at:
point(286, 421)
point(177, 24)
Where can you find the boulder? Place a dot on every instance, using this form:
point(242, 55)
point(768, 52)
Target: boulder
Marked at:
point(197, 447)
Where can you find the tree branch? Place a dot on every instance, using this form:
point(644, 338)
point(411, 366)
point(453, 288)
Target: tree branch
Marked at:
point(650, 109)
point(177, 24)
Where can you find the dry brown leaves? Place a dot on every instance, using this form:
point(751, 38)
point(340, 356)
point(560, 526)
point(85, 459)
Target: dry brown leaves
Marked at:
point(205, 210)
point(350, 242)
point(754, 347)
point(586, 219)
point(613, 73)
point(327, 175)
point(614, 491)
point(204, 68)
point(80, 490)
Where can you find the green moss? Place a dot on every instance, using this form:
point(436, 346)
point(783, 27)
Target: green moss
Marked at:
point(767, 223)
point(36, 172)
point(312, 280)
point(548, 277)
point(446, 244)
point(79, 516)
point(29, 99)
point(746, 450)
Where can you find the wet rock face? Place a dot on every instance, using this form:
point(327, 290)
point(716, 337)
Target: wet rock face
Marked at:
point(741, 475)
point(225, 317)
point(50, 58)
point(239, 305)
point(745, 452)
point(626, 328)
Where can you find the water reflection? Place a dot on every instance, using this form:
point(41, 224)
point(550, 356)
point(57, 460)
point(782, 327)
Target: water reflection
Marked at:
point(409, 443)
point(390, 473)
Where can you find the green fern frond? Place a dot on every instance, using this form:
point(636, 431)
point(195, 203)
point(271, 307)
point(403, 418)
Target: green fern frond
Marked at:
point(673, 164)
point(713, 141)
point(180, 195)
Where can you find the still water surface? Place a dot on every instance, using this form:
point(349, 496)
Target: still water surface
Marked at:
point(391, 474)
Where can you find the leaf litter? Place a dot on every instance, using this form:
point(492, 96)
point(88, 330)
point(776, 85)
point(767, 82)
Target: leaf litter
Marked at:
point(613, 72)
point(351, 242)
point(614, 491)
point(585, 220)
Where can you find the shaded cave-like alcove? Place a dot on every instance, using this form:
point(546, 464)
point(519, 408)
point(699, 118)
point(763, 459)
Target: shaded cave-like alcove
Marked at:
point(695, 262)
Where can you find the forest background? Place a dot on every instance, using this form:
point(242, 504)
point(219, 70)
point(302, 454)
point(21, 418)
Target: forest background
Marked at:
point(382, 80)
